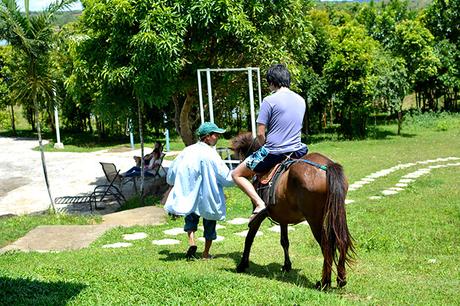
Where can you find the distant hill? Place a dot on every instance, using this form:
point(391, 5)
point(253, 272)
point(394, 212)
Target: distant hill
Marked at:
point(64, 17)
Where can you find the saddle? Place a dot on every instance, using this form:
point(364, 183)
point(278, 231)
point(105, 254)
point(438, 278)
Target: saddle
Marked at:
point(265, 183)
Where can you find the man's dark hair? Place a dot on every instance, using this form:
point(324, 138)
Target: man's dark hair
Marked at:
point(279, 76)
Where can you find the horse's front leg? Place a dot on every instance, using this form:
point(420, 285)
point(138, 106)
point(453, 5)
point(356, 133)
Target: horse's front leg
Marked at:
point(284, 240)
point(244, 263)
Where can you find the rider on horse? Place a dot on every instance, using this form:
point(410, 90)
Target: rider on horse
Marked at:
point(279, 126)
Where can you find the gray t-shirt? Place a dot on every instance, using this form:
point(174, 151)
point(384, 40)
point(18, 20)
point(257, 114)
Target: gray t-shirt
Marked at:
point(282, 113)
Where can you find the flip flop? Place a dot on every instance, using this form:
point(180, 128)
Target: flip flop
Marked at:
point(191, 252)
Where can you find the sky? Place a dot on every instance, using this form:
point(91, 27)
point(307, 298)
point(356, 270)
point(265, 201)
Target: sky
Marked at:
point(38, 5)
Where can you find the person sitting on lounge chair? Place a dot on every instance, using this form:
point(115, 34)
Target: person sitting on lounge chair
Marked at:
point(157, 147)
point(154, 164)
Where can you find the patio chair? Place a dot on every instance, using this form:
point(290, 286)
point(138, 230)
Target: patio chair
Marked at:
point(112, 174)
point(107, 192)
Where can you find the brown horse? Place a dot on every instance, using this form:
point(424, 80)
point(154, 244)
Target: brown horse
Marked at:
point(306, 192)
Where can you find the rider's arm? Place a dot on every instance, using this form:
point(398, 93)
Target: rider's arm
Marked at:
point(261, 133)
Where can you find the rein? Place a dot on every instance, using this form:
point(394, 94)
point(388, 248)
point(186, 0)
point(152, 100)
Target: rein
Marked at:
point(322, 167)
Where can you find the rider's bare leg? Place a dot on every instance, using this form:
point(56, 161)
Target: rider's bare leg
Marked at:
point(240, 175)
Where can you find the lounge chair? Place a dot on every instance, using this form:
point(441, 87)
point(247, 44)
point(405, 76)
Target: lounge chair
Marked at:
point(108, 192)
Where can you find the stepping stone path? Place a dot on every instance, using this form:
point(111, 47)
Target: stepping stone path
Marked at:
point(166, 241)
point(245, 233)
point(174, 231)
point(117, 245)
point(371, 177)
point(410, 177)
point(277, 229)
point(238, 221)
point(135, 236)
point(218, 239)
point(405, 180)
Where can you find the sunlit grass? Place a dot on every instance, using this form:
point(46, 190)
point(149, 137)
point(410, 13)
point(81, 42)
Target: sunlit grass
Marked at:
point(407, 244)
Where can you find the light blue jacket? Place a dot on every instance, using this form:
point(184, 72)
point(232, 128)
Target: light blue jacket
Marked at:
point(198, 175)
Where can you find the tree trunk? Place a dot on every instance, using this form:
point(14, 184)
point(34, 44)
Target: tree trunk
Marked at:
point(42, 152)
point(90, 126)
point(400, 118)
point(185, 125)
point(33, 120)
point(13, 125)
point(177, 112)
point(141, 138)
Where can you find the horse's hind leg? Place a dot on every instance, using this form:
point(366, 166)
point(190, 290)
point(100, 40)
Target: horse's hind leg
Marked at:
point(326, 277)
point(284, 240)
point(244, 263)
point(341, 272)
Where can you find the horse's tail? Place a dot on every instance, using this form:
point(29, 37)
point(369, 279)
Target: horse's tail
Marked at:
point(335, 235)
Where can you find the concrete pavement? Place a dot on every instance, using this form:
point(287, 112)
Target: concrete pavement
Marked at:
point(22, 183)
point(56, 238)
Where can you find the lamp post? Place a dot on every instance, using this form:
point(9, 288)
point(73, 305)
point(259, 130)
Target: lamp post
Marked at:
point(131, 135)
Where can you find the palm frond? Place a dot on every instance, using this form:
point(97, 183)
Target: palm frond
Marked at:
point(57, 6)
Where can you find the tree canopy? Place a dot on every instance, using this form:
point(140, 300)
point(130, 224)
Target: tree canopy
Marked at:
point(127, 59)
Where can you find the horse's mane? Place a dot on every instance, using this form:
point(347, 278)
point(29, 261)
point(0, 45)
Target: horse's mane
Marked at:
point(244, 144)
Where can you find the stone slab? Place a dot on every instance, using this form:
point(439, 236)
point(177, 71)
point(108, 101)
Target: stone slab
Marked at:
point(149, 215)
point(57, 238)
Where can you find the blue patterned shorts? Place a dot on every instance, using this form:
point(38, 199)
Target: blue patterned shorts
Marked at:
point(261, 161)
point(255, 158)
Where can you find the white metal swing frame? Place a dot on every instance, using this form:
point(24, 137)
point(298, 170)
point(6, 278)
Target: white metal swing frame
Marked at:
point(249, 70)
point(231, 163)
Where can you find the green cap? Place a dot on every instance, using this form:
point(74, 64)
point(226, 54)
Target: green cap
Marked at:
point(207, 128)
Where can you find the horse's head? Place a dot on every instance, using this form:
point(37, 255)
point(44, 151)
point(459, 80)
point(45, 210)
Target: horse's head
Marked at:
point(244, 145)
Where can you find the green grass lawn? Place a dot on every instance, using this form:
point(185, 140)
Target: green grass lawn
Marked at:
point(407, 244)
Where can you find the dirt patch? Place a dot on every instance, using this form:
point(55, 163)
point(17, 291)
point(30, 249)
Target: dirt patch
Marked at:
point(119, 149)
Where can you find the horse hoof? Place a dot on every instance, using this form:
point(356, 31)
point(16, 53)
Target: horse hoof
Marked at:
point(241, 268)
point(341, 283)
point(322, 287)
point(286, 268)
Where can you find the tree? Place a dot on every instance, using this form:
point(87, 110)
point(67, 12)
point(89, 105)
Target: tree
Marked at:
point(414, 43)
point(392, 84)
point(31, 40)
point(381, 20)
point(441, 18)
point(349, 72)
point(131, 56)
point(6, 97)
point(151, 50)
point(313, 82)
